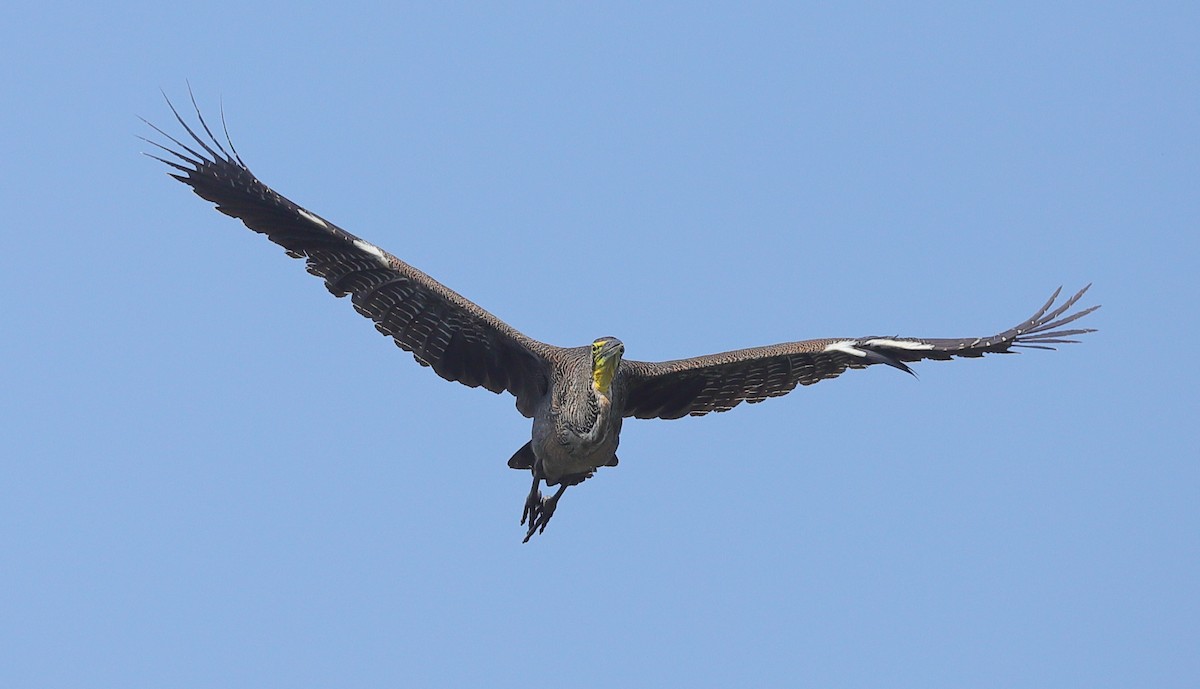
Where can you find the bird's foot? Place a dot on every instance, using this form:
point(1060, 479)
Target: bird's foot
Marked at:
point(533, 508)
point(541, 515)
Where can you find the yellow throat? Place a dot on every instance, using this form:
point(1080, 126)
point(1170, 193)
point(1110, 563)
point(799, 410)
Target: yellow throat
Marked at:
point(602, 374)
point(603, 366)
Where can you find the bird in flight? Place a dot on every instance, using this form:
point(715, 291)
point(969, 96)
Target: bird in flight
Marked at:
point(577, 397)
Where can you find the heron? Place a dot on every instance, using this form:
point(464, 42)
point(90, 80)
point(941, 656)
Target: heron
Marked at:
point(577, 397)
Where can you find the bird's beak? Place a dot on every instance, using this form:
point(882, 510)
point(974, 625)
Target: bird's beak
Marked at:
point(611, 349)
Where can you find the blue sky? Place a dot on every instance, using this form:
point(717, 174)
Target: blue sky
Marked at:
point(216, 475)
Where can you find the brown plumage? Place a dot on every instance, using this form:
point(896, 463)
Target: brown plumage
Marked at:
point(577, 397)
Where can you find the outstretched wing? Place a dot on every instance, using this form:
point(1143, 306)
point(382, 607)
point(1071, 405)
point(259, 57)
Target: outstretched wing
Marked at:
point(719, 382)
point(458, 339)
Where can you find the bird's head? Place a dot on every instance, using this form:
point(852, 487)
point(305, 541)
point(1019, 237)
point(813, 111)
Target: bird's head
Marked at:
point(606, 357)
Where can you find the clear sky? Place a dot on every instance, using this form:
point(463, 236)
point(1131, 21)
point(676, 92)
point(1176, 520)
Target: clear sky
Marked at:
point(214, 474)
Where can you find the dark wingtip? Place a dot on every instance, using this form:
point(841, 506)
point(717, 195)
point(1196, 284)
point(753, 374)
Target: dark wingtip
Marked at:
point(878, 357)
point(1044, 327)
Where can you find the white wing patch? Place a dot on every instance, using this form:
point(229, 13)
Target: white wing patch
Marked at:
point(845, 347)
point(312, 218)
point(897, 344)
point(851, 347)
point(373, 250)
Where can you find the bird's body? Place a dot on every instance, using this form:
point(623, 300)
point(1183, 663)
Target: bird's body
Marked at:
point(576, 396)
point(575, 429)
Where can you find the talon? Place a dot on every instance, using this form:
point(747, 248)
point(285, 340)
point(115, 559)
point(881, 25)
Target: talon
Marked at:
point(533, 503)
point(539, 510)
point(537, 523)
point(544, 514)
point(533, 507)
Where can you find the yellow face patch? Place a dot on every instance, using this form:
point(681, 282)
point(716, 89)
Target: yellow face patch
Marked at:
point(603, 367)
point(602, 375)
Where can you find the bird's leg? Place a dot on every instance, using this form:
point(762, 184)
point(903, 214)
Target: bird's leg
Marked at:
point(544, 512)
point(533, 504)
